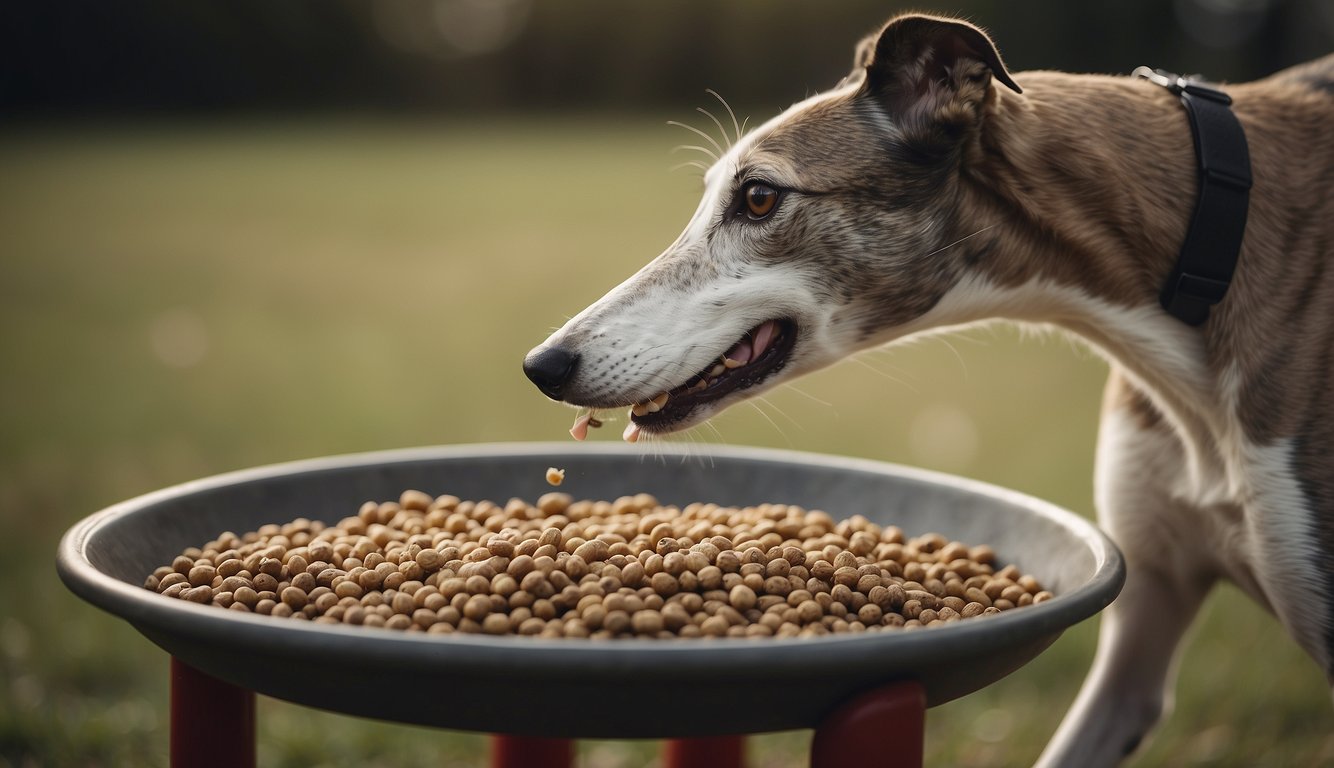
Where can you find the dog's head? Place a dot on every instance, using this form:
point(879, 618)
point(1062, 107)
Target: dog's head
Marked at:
point(820, 233)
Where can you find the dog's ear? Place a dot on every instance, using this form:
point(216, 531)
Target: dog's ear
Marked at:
point(932, 74)
point(861, 57)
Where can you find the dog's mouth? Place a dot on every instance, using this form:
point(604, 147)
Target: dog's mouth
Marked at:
point(757, 355)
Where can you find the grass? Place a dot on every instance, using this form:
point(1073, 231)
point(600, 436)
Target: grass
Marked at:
point(180, 301)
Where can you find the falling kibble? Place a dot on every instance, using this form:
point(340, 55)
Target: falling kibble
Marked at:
point(555, 476)
point(597, 569)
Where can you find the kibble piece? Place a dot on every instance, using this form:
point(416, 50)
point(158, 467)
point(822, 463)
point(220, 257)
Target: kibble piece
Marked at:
point(294, 597)
point(616, 621)
point(647, 622)
point(348, 589)
point(477, 607)
point(555, 476)
point(201, 575)
point(429, 560)
point(171, 579)
point(200, 594)
point(664, 583)
point(742, 597)
point(415, 500)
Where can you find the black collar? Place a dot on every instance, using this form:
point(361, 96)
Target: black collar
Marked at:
point(1208, 256)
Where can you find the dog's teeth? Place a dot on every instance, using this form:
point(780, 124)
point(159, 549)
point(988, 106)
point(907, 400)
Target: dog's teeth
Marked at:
point(661, 400)
point(700, 386)
point(741, 352)
point(639, 409)
point(729, 363)
point(652, 407)
point(717, 370)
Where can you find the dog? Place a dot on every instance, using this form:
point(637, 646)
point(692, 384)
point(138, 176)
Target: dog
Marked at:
point(931, 189)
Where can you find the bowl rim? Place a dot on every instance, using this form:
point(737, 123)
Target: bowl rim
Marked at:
point(736, 657)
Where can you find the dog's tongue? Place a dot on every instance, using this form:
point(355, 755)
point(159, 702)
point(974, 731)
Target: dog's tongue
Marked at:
point(748, 349)
point(580, 429)
point(631, 433)
point(764, 335)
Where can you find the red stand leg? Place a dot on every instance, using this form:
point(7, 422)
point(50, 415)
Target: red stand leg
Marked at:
point(212, 722)
point(709, 752)
point(882, 728)
point(530, 752)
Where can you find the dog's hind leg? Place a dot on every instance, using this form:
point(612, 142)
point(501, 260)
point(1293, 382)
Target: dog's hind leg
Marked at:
point(1168, 575)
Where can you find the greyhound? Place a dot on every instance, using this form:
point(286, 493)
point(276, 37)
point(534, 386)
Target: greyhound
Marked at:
point(930, 189)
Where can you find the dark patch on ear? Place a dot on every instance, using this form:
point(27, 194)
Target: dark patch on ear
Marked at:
point(932, 74)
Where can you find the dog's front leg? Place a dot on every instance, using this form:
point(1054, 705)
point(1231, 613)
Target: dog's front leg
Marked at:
point(1168, 575)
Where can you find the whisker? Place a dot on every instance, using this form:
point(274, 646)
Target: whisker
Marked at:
point(809, 396)
point(960, 240)
point(689, 164)
point(718, 433)
point(754, 402)
point(696, 148)
point(704, 135)
point(721, 130)
point(963, 366)
point(697, 447)
point(728, 107)
point(859, 360)
point(762, 404)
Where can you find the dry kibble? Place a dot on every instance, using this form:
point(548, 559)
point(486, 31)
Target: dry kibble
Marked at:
point(415, 500)
point(171, 579)
point(646, 622)
point(294, 598)
point(598, 569)
point(742, 597)
point(429, 560)
point(200, 594)
point(348, 589)
point(201, 575)
point(555, 476)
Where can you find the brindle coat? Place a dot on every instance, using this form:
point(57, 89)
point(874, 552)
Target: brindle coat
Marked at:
point(927, 191)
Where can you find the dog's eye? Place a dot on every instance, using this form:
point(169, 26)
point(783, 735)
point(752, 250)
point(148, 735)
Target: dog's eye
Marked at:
point(761, 199)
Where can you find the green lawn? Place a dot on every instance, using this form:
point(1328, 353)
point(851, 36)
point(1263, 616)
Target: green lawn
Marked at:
point(181, 301)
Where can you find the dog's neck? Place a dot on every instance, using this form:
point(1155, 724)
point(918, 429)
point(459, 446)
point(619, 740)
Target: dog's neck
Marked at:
point(1096, 176)
point(1089, 186)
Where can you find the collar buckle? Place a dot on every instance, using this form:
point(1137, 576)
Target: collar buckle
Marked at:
point(1179, 84)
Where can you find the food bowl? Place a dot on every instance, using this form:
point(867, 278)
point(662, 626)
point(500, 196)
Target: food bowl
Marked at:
point(590, 688)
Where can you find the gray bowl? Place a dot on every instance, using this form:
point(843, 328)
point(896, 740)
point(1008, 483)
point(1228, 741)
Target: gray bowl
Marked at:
point(583, 688)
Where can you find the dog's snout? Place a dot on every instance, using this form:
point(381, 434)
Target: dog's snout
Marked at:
point(550, 369)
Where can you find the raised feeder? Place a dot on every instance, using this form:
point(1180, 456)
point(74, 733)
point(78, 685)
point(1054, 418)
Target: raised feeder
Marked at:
point(567, 688)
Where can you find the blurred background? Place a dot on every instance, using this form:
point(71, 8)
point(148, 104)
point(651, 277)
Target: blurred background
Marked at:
point(248, 232)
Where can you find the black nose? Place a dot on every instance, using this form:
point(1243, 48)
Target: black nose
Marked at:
point(550, 369)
